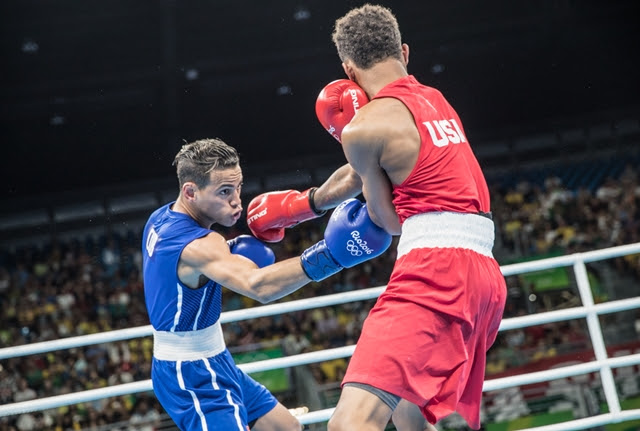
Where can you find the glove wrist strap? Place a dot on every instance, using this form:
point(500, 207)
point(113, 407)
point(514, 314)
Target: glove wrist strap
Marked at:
point(318, 263)
point(312, 205)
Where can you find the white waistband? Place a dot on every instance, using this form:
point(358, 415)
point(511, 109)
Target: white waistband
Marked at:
point(188, 345)
point(447, 230)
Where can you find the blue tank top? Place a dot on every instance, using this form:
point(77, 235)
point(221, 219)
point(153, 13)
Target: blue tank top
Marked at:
point(171, 305)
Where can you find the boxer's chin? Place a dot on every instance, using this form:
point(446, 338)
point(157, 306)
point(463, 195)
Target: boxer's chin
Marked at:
point(229, 222)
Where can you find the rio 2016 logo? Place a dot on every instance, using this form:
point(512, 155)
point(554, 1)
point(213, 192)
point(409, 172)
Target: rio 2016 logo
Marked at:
point(357, 245)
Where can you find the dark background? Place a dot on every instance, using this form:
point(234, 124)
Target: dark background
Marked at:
point(101, 92)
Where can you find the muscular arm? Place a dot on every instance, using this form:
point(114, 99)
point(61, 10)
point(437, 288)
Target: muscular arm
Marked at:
point(343, 184)
point(210, 257)
point(362, 147)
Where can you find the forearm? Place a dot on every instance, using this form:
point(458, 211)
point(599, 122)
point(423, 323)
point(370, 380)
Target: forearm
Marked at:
point(276, 281)
point(343, 184)
point(349, 239)
point(383, 214)
point(381, 208)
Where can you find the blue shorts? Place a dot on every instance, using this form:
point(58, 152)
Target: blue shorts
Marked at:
point(210, 394)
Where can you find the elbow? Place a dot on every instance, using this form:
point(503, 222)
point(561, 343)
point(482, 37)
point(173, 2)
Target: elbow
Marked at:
point(393, 228)
point(264, 298)
point(390, 224)
point(261, 291)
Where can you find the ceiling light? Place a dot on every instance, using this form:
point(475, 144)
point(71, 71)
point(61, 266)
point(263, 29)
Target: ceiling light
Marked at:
point(30, 46)
point(192, 74)
point(301, 14)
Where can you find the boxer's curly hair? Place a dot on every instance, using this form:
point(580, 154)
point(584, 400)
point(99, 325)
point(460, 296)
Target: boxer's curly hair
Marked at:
point(195, 161)
point(368, 35)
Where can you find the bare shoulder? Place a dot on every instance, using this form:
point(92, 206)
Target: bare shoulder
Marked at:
point(387, 127)
point(198, 255)
point(204, 249)
point(385, 117)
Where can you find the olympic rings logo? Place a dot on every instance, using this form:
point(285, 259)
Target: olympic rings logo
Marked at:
point(357, 246)
point(353, 248)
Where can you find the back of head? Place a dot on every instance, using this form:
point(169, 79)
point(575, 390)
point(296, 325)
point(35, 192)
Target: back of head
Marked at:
point(367, 35)
point(195, 161)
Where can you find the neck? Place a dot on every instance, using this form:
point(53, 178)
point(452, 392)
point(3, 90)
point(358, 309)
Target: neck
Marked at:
point(183, 207)
point(375, 78)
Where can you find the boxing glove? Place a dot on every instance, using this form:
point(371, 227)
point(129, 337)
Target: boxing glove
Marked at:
point(350, 238)
point(270, 213)
point(252, 248)
point(337, 104)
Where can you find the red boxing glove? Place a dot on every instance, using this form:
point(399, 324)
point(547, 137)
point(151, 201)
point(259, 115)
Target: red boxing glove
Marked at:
point(270, 213)
point(337, 104)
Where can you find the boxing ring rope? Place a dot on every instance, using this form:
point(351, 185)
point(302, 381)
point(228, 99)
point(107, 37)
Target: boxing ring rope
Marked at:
point(588, 310)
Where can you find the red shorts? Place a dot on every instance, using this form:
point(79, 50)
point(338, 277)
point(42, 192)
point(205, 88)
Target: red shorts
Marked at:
point(426, 338)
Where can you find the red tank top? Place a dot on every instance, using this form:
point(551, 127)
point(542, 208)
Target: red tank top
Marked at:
point(446, 176)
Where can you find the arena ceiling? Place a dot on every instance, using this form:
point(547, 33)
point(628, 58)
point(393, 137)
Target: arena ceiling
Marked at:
point(101, 91)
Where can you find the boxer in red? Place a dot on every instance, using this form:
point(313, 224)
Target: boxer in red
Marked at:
point(422, 352)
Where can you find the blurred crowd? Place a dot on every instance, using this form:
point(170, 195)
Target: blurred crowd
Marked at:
point(535, 219)
point(90, 285)
point(549, 219)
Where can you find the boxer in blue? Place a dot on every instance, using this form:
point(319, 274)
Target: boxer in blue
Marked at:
point(185, 265)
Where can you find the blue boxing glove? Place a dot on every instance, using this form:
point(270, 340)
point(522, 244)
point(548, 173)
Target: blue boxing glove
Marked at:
point(350, 238)
point(252, 248)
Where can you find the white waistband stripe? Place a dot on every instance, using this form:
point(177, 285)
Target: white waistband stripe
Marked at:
point(188, 345)
point(447, 230)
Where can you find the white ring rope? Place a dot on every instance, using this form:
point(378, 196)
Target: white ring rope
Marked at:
point(570, 259)
point(226, 317)
point(588, 310)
